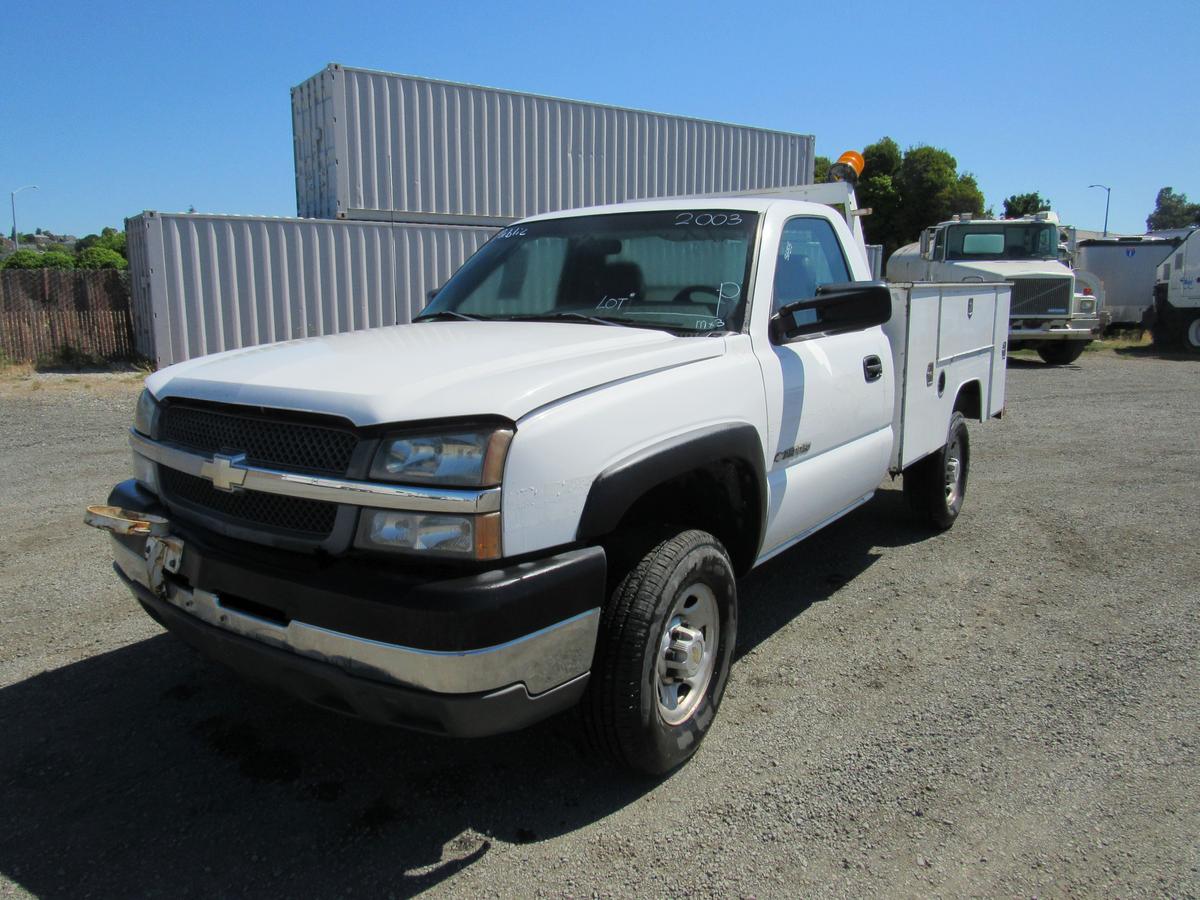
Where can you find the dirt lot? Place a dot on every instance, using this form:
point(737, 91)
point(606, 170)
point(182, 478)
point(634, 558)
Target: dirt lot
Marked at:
point(1010, 708)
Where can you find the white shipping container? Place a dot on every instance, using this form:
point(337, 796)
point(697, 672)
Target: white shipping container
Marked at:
point(377, 146)
point(205, 283)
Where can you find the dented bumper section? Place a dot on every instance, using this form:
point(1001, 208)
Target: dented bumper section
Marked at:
point(347, 651)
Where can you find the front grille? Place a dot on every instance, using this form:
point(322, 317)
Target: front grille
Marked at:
point(1041, 296)
point(312, 518)
point(274, 443)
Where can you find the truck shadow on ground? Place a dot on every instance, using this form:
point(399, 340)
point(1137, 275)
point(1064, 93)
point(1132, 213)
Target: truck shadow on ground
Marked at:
point(1153, 352)
point(147, 770)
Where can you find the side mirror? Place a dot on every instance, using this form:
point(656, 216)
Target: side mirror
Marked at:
point(926, 243)
point(837, 308)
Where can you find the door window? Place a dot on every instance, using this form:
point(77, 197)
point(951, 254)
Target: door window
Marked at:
point(810, 255)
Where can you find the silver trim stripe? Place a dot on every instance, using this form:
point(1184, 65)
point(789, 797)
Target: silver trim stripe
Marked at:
point(227, 472)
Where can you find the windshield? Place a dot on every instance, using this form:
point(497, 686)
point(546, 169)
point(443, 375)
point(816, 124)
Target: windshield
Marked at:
point(684, 271)
point(997, 240)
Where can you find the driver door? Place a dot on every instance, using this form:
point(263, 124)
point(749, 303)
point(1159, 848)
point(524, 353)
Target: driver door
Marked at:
point(829, 396)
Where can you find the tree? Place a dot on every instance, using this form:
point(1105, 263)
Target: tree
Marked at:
point(101, 258)
point(109, 238)
point(910, 191)
point(1172, 210)
point(879, 190)
point(1025, 205)
point(821, 166)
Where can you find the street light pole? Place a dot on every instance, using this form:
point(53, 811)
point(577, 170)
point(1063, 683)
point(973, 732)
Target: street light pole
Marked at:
point(13, 199)
point(1107, 197)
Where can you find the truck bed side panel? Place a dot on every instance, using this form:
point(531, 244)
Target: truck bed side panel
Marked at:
point(944, 336)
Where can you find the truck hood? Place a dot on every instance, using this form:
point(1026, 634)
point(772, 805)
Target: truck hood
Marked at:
point(432, 370)
point(1002, 271)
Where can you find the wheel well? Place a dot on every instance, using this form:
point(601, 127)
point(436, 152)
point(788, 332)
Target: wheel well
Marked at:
point(721, 498)
point(969, 401)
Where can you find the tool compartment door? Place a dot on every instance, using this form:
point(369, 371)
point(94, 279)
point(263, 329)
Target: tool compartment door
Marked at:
point(955, 334)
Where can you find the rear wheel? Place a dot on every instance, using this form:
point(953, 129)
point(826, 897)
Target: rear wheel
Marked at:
point(663, 654)
point(1061, 353)
point(937, 485)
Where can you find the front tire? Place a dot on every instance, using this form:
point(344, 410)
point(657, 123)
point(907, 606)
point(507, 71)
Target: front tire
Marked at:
point(937, 485)
point(1191, 335)
point(1061, 353)
point(663, 654)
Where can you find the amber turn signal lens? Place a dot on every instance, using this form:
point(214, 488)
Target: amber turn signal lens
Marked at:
point(487, 536)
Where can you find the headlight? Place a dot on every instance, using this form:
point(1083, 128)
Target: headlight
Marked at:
point(434, 534)
point(145, 414)
point(469, 458)
point(1087, 305)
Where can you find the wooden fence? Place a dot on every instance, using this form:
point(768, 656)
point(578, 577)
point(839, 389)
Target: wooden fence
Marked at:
point(49, 315)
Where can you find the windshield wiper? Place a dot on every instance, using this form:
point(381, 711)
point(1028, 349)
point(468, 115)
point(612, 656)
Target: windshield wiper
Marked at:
point(448, 314)
point(573, 316)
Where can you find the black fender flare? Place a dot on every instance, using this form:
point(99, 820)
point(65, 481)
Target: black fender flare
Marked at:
point(622, 484)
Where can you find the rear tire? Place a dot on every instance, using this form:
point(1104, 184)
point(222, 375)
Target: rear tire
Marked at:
point(1061, 353)
point(936, 486)
point(663, 654)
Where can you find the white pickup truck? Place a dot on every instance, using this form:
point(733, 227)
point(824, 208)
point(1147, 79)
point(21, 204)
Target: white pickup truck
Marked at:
point(540, 494)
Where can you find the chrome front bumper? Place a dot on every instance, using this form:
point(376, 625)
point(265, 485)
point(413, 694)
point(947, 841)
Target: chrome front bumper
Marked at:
point(1075, 330)
point(541, 661)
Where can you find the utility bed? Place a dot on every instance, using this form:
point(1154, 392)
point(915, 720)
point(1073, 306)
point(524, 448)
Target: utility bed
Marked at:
point(944, 333)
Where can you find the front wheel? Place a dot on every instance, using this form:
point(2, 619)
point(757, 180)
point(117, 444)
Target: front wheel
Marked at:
point(663, 654)
point(1061, 353)
point(937, 485)
point(1191, 336)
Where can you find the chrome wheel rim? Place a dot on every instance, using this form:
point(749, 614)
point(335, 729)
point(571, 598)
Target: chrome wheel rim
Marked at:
point(954, 473)
point(687, 653)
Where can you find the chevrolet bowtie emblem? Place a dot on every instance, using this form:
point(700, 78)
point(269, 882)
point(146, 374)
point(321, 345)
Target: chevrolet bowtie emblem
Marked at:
point(225, 472)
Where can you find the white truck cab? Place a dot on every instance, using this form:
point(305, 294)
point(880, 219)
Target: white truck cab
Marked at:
point(1049, 314)
point(1177, 296)
point(540, 494)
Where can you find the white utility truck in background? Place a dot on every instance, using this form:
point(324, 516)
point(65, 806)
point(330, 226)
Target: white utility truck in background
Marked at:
point(1048, 314)
point(1177, 297)
point(540, 494)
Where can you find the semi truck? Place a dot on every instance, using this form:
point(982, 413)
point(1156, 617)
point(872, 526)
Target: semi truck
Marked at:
point(1177, 297)
point(1049, 313)
point(540, 494)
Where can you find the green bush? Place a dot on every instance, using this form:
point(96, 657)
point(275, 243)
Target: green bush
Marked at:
point(96, 257)
point(56, 260)
point(31, 259)
point(23, 259)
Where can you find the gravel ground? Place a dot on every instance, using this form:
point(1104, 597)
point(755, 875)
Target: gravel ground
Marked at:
point(1009, 708)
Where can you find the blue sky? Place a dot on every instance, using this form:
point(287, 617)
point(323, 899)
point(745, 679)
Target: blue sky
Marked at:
point(116, 108)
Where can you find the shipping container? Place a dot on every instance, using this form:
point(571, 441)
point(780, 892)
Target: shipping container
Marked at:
point(206, 283)
point(1127, 268)
point(376, 146)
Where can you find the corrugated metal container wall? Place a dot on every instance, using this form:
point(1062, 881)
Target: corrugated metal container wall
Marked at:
point(213, 283)
point(370, 144)
point(1128, 270)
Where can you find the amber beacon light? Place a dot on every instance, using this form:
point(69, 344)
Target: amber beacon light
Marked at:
point(848, 167)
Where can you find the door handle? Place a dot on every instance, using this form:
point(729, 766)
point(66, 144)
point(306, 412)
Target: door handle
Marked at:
point(872, 368)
